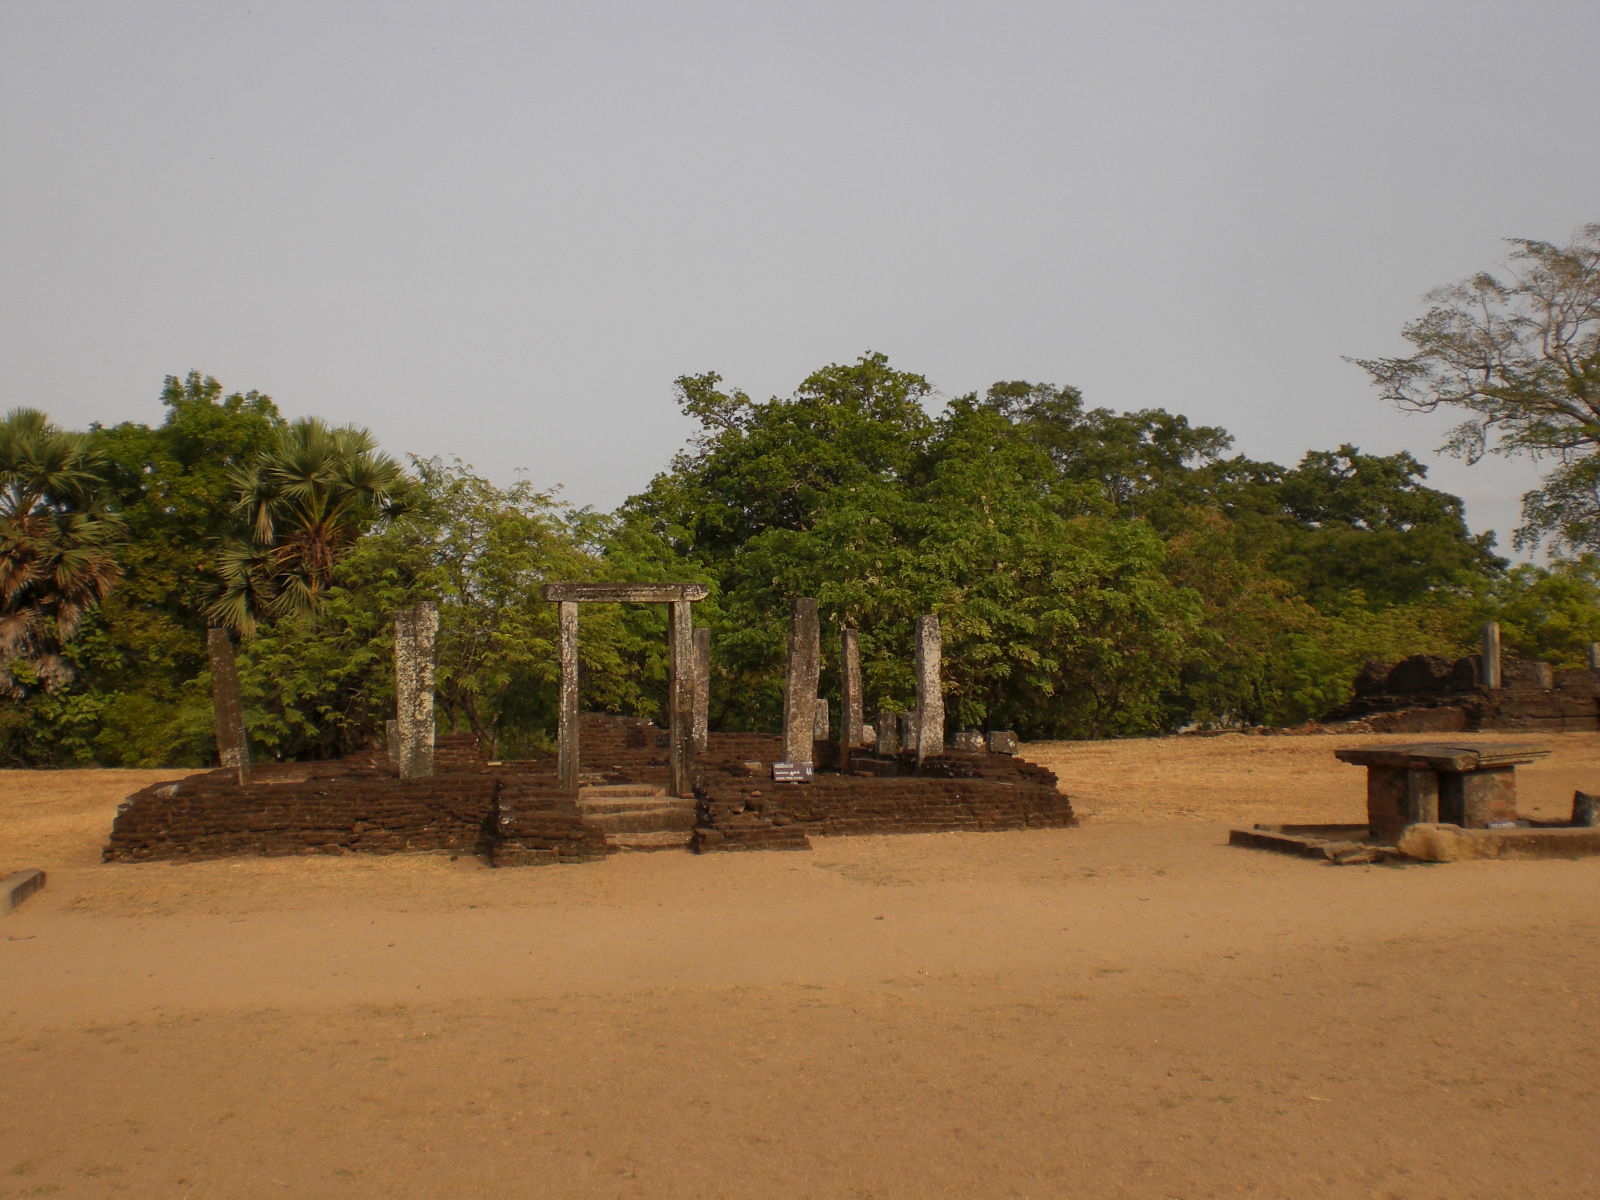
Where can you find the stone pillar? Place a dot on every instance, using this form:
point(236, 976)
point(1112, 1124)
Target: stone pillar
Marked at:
point(908, 732)
point(680, 697)
point(888, 728)
point(930, 689)
point(850, 732)
point(821, 720)
point(702, 689)
point(414, 632)
point(850, 715)
point(1594, 656)
point(567, 721)
point(233, 745)
point(800, 683)
point(1491, 655)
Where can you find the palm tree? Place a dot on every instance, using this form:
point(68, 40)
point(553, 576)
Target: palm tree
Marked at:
point(56, 539)
point(306, 501)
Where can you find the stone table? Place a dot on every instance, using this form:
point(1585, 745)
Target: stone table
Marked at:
point(1472, 785)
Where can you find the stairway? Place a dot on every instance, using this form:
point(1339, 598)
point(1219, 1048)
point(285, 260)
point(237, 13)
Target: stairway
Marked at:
point(637, 816)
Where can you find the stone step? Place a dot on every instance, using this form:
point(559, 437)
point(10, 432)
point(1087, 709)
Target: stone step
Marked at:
point(642, 820)
point(608, 791)
point(674, 839)
point(633, 803)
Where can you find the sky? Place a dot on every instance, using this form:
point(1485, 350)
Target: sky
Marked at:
point(499, 231)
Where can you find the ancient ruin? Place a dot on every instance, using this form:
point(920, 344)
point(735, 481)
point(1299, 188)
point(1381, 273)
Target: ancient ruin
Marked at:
point(616, 783)
point(1478, 693)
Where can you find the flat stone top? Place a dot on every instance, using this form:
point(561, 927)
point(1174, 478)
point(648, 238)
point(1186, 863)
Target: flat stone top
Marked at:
point(625, 593)
point(1457, 757)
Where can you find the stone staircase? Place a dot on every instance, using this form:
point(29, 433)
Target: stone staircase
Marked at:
point(637, 816)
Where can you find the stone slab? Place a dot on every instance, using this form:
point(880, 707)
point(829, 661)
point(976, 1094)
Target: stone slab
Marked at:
point(1441, 756)
point(1451, 843)
point(1341, 844)
point(18, 886)
point(624, 593)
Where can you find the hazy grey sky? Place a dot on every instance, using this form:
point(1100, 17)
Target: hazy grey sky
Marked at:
point(500, 230)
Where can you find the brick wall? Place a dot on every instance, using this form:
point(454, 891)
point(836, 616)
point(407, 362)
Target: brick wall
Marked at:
point(517, 813)
point(1426, 693)
point(956, 792)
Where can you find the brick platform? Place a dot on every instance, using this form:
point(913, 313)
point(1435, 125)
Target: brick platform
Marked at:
point(518, 814)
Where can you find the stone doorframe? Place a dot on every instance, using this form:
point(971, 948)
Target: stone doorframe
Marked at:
point(680, 670)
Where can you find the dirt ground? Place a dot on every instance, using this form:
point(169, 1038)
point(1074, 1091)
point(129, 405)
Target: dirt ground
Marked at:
point(1127, 1008)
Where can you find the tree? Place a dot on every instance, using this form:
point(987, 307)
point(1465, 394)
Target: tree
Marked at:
point(307, 498)
point(1522, 356)
point(1364, 529)
point(142, 654)
point(56, 542)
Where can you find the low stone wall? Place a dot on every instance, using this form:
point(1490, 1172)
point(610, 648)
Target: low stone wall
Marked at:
point(1430, 694)
point(957, 792)
point(516, 814)
point(362, 810)
point(537, 822)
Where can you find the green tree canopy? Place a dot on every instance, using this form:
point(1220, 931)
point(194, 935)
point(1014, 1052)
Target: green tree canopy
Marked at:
point(306, 499)
point(57, 540)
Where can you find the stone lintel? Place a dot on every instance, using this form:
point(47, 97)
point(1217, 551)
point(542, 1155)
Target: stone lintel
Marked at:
point(625, 593)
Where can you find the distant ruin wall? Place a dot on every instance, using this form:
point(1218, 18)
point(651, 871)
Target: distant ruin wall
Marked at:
point(1428, 693)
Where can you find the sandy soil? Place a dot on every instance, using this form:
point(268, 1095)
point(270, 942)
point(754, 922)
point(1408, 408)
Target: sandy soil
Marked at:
point(1128, 1008)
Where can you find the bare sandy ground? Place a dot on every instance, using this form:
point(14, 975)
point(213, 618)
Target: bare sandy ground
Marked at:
point(1128, 1008)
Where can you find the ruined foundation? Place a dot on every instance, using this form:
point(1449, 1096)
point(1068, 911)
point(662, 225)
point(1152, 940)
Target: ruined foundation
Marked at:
point(519, 813)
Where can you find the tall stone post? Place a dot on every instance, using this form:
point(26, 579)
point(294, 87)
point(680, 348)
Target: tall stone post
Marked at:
point(1594, 656)
point(850, 714)
point(680, 697)
point(233, 745)
point(930, 689)
point(414, 631)
point(1491, 655)
point(702, 689)
point(800, 682)
point(567, 698)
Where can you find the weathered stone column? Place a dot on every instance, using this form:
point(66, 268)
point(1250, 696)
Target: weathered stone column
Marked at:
point(850, 715)
point(233, 745)
point(1491, 654)
point(800, 682)
point(702, 689)
point(1594, 656)
point(821, 720)
point(930, 689)
point(567, 698)
point(414, 632)
point(680, 698)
